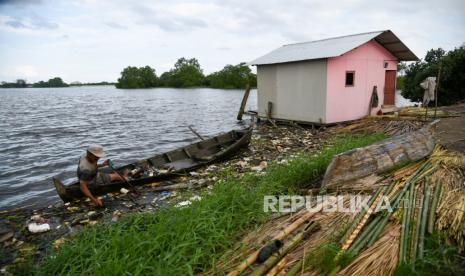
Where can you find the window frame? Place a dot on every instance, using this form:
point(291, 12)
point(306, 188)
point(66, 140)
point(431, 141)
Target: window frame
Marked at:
point(353, 79)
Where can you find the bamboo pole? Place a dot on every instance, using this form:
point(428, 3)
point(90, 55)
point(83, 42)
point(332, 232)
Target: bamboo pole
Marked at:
point(434, 206)
point(274, 259)
point(412, 218)
point(403, 235)
point(424, 217)
point(278, 267)
point(362, 222)
point(359, 216)
point(410, 204)
point(417, 226)
point(362, 239)
point(284, 233)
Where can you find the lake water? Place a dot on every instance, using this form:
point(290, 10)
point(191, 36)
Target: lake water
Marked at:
point(44, 131)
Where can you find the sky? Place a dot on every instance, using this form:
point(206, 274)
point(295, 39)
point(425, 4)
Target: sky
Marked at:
point(93, 40)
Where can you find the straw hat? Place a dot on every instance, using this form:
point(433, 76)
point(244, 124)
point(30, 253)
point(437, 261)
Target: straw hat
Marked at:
point(96, 150)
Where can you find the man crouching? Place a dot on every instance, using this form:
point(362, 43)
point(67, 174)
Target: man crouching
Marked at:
point(89, 175)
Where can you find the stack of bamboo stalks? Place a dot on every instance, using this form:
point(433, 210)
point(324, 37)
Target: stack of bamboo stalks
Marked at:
point(425, 196)
point(421, 111)
point(389, 127)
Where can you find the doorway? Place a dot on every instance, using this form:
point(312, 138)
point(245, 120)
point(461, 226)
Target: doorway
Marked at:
point(390, 87)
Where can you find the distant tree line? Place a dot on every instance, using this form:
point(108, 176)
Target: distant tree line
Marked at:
point(187, 73)
point(77, 83)
point(20, 83)
point(451, 87)
point(55, 82)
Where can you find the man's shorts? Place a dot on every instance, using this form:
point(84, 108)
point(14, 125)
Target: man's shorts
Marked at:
point(101, 179)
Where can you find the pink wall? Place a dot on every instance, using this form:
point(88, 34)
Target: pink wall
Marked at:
point(350, 103)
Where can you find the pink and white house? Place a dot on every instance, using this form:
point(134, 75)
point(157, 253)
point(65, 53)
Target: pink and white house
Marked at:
point(330, 80)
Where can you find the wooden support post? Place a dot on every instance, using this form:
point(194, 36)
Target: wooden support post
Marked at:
point(268, 114)
point(243, 103)
point(436, 90)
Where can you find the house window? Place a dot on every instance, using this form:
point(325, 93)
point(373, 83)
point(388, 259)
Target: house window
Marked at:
point(350, 78)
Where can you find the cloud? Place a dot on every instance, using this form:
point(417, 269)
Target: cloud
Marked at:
point(165, 20)
point(26, 71)
point(32, 22)
point(89, 44)
point(19, 2)
point(115, 25)
point(16, 24)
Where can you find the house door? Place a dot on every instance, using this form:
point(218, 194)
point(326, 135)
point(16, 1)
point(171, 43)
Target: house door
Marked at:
point(390, 87)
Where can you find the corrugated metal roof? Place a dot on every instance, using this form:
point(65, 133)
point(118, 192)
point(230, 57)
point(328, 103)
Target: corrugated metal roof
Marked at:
point(333, 47)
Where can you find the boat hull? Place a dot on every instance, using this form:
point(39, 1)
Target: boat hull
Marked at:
point(169, 164)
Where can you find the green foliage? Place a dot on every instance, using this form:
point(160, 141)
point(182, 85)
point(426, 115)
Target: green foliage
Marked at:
point(133, 77)
point(180, 241)
point(452, 81)
point(55, 82)
point(232, 76)
point(400, 84)
point(20, 83)
point(186, 73)
point(440, 258)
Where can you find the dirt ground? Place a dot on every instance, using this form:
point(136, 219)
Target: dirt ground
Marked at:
point(451, 131)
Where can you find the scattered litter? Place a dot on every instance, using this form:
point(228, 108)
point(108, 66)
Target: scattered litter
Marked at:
point(242, 164)
point(57, 243)
point(194, 173)
point(115, 216)
point(184, 203)
point(72, 209)
point(164, 195)
point(155, 184)
point(35, 227)
point(124, 191)
point(263, 165)
point(195, 198)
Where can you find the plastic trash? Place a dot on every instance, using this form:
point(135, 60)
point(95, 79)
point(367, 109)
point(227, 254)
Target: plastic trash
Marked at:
point(35, 227)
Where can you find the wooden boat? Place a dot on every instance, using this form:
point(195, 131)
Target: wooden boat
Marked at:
point(380, 157)
point(166, 165)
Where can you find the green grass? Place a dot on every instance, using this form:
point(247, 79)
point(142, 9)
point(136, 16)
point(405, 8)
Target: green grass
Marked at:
point(441, 258)
point(189, 240)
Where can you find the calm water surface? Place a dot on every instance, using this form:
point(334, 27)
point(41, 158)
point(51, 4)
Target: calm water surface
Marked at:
point(43, 131)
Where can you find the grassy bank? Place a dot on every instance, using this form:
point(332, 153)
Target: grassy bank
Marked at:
point(189, 240)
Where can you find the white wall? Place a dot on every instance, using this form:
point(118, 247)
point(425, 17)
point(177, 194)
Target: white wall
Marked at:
point(297, 90)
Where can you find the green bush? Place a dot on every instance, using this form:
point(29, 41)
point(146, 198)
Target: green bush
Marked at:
point(452, 80)
point(233, 76)
point(133, 77)
point(186, 73)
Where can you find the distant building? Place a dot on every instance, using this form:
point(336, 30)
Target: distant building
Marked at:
point(330, 80)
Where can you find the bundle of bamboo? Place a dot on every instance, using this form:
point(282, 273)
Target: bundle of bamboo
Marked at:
point(397, 126)
point(427, 196)
point(379, 259)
